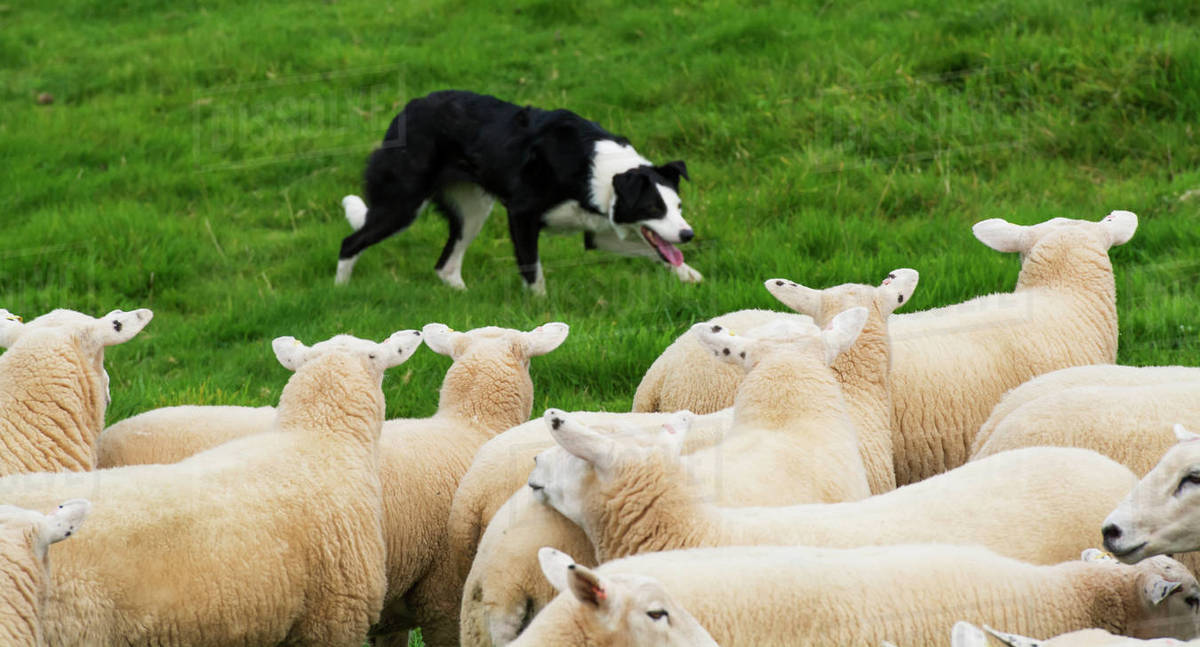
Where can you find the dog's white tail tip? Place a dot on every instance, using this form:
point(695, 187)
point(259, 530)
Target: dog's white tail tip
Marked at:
point(356, 211)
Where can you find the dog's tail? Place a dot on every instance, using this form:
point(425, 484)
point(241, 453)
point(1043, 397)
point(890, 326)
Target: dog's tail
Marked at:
point(356, 211)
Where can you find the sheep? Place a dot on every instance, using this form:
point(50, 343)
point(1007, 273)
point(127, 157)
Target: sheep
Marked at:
point(171, 434)
point(780, 450)
point(1156, 517)
point(634, 497)
point(1124, 413)
point(500, 468)
point(54, 389)
point(910, 594)
point(25, 538)
point(271, 538)
point(485, 391)
point(862, 370)
point(1079, 376)
point(965, 634)
point(618, 610)
point(950, 365)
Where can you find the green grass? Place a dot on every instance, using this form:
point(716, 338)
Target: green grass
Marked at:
point(194, 157)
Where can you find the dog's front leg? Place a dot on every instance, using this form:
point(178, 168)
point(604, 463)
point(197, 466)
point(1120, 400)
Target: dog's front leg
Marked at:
point(524, 230)
point(638, 247)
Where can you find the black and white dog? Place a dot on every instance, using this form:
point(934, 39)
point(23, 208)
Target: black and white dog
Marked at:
point(550, 169)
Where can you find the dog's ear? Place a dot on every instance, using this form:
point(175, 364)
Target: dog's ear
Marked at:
point(673, 171)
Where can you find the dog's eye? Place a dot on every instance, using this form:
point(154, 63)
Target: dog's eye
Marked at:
point(657, 614)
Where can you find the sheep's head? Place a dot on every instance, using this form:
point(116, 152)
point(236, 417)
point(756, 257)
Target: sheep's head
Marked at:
point(618, 609)
point(25, 538)
point(776, 338)
point(588, 467)
point(1167, 593)
point(1114, 229)
point(489, 381)
point(1159, 517)
point(822, 305)
point(88, 334)
point(376, 357)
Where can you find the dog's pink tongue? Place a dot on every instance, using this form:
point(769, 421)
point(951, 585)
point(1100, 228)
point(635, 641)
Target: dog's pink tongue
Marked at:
point(668, 251)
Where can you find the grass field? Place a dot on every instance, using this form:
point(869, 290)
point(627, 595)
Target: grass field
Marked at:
point(194, 156)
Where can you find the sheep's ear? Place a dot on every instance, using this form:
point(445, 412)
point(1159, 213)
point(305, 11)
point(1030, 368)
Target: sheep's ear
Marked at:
point(806, 301)
point(397, 348)
point(442, 339)
point(11, 328)
point(675, 431)
point(290, 352)
point(1120, 226)
point(723, 344)
point(587, 586)
point(118, 326)
point(544, 338)
point(576, 438)
point(965, 634)
point(64, 521)
point(1183, 435)
point(1097, 555)
point(555, 564)
point(1012, 640)
point(1156, 589)
point(1003, 236)
point(843, 330)
point(898, 288)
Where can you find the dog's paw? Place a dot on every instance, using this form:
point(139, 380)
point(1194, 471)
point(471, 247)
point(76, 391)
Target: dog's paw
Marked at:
point(686, 274)
point(453, 280)
point(537, 288)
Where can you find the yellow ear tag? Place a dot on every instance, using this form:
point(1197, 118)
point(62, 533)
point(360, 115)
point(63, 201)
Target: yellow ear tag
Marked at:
point(13, 317)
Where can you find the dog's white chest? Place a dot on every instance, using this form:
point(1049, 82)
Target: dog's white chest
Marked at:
point(569, 216)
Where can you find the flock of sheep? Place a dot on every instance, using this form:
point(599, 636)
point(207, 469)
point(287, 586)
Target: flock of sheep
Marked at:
point(834, 476)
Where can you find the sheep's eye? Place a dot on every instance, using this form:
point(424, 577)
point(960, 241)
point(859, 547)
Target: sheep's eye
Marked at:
point(657, 614)
point(371, 356)
point(1192, 478)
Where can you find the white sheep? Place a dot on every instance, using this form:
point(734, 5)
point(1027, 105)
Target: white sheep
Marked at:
point(54, 389)
point(965, 634)
point(487, 390)
point(25, 538)
point(171, 434)
point(1120, 411)
point(1157, 517)
point(1079, 376)
point(765, 596)
point(271, 538)
point(950, 365)
point(781, 450)
point(633, 497)
point(618, 610)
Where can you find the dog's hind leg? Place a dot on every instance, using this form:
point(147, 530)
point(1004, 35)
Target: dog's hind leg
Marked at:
point(381, 220)
point(466, 206)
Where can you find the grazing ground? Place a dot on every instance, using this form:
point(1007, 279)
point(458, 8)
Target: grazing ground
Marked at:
point(191, 159)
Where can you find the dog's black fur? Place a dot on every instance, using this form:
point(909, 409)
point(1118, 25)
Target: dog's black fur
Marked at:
point(531, 160)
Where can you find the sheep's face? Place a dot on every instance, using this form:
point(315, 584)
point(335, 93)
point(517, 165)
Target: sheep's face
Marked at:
point(1170, 599)
point(375, 357)
point(588, 467)
point(1114, 229)
point(782, 338)
point(1158, 516)
point(618, 609)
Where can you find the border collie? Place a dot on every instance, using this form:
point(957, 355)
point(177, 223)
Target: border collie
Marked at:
point(551, 170)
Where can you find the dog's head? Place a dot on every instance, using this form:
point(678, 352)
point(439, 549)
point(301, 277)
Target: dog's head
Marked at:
point(646, 198)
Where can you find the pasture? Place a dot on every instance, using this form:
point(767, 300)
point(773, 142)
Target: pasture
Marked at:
point(191, 159)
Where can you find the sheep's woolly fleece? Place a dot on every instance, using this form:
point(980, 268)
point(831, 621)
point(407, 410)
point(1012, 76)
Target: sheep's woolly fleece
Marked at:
point(25, 538)
point(54, 389)
point(909, 595)
point(780, 451)
point(965, 634)
point(637, 499)
point(226, 551)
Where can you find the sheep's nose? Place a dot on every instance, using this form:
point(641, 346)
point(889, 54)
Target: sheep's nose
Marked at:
point(685, 235)
point(1111, 532)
